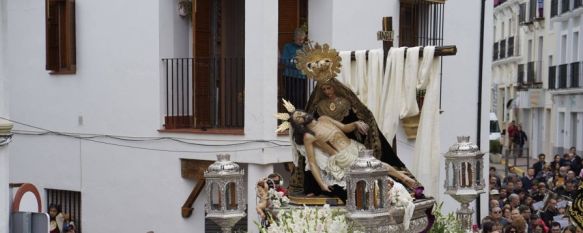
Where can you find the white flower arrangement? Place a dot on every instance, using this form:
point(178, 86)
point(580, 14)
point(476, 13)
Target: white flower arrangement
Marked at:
point(310, 219)
point(277, 199)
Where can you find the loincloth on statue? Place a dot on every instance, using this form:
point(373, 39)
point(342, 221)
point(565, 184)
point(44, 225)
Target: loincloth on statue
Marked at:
point(333, 168)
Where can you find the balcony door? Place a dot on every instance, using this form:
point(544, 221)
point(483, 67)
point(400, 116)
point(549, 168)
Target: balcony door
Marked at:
point(218, 28)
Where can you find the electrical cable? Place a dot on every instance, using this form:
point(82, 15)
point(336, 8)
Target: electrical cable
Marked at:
point(93, 137)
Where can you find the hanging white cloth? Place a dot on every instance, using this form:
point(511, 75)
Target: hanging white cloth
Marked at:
point(409, 94)
point(426, 157)
point(392, 87)
point(374, 79)
point(359, 78)
point(345, 72)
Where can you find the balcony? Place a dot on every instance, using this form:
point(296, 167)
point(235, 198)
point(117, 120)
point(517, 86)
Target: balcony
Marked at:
point(520, 75)
point(554, 8)
point(565, 6)
point(203, 93)
point(535, 10)
point(562, 76)
point(575, 74)
point(522, 13)
point(495, 52)
point(510, 51)
point(552, 77)
point(530, 74)
point(502, 54)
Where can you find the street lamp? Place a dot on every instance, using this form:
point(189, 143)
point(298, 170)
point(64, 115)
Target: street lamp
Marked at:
point(225, 191)
point(464, 179)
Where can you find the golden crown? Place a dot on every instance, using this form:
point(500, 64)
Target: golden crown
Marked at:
point(318, 62)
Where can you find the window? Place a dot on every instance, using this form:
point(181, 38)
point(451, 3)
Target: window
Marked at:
point(207, 90)
point(70, 203)
point(60, 36)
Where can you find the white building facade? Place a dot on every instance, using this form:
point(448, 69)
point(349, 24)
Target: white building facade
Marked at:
point(520, 81)
point(107, 123)
point(565, 82)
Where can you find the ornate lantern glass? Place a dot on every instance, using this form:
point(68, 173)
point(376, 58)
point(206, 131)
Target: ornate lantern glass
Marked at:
point(226, 201)
point(464, 179)
point(368, 192)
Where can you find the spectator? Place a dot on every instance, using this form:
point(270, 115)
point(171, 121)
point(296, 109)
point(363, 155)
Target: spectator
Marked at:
point(295, 81)
point(493, 201)
point(570, 229)
point(496, 217)
point(524, 211)
point(514, 200)
point(541, 193)
point(518, 221)
point(507, 213)
point(56, 219)
point(538, 226)
point(556, 163)
point(555, 227)
point(494, 174)
point(520, 139)
point(510, 229)
point(575, 160)
point(550, 211)
point(546, 174)
point(511, 134)
point(494, 182)
point(528, 179)
point(539, 165)
point(503, 195)
point(487, 227)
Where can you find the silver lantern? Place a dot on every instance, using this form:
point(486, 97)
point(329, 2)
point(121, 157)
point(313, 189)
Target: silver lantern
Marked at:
point(464, 179)
point(368, 191)
point(225, 204)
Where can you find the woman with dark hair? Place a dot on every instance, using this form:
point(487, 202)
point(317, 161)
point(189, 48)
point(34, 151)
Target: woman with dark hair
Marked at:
point(57, 221)
point(510, 229)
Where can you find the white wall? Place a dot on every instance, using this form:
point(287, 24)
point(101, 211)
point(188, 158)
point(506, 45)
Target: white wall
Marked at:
point(350, 25)
point(460, 106)
point(4, 162)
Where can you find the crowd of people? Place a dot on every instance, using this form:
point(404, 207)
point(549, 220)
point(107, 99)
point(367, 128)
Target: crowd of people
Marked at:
point(535, 200)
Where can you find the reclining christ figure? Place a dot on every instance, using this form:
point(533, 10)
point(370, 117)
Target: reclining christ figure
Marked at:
point(328, 150)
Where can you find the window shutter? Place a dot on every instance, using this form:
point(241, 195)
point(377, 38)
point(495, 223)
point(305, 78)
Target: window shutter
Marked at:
point(52, 35)
point(289, 20)
point(70, 37)
point(202, 37)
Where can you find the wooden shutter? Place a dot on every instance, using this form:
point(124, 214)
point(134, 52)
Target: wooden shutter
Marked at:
point(70, 63)
point(201, 45)
point(52, 34)
point(289, 20)
point(60, 36)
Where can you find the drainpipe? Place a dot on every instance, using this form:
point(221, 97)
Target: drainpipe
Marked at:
point(479, 120)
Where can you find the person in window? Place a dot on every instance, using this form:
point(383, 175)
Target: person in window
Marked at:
point(295, 81)
point(56, 219)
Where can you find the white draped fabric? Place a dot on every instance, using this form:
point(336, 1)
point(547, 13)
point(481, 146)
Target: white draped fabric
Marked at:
point(426, 158)
point(390, 93)
point(409, 95)
point(392, 87)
